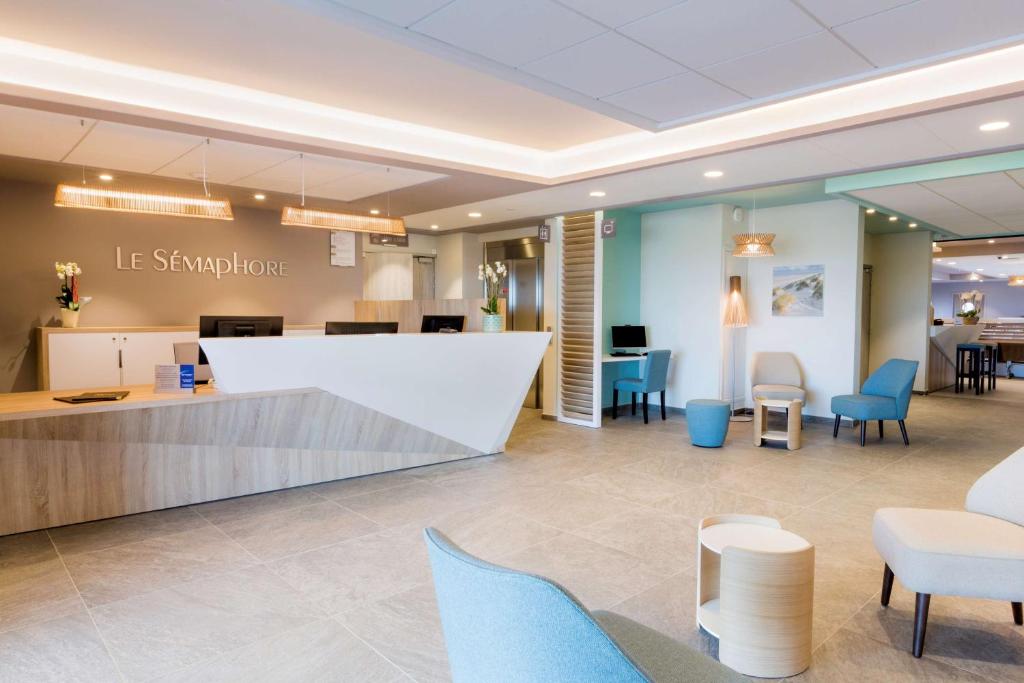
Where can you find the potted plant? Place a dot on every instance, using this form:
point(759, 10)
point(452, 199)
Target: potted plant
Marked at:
point(969, 315)
point(493, 277)
point(69, 301)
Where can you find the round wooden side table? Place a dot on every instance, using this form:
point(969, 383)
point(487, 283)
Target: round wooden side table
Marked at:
point(755, 593)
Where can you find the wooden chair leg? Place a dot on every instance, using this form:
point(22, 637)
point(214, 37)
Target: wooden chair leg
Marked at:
point(903, 431)
point(633, 401)
point(881, 435)
point(645, 407)
point(863, 432)
point(615, 403)
point(887, 577)
point(663, 405)
point(920, 622)
point(835, 429)
point(1018, 613)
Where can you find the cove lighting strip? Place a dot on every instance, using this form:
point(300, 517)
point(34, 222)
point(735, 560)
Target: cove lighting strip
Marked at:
point(76, 197)
point(352, 222)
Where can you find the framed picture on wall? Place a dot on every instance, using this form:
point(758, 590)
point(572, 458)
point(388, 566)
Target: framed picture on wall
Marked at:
point(798, 291)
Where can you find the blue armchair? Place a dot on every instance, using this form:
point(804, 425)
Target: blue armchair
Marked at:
point(884, 396)
point(505, 625)
point(655, 378)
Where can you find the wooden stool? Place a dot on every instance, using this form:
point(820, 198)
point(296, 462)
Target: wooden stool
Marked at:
point(792, 434)
point(755, 592)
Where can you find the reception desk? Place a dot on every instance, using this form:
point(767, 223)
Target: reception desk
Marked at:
point(285, 411)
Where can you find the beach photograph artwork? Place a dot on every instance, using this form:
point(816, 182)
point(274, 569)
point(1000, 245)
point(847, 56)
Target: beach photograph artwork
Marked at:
point(798, 291)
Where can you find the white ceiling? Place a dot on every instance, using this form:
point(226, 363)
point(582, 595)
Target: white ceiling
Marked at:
point(117, 147)
point(986, 267)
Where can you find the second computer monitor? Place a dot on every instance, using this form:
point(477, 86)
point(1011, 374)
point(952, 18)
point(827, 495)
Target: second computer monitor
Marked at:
point(629, 336)
point(360, 328)
point(442, 323)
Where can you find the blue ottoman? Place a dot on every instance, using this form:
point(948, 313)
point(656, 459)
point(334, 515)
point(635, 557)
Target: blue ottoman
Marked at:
point(707, 421)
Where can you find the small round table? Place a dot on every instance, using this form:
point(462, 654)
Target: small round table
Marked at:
point(755, 593)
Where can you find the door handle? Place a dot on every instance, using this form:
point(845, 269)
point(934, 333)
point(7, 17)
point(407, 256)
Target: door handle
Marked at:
point(120, 359)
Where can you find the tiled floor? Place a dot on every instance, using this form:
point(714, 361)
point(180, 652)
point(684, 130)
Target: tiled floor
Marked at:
point(331, 582)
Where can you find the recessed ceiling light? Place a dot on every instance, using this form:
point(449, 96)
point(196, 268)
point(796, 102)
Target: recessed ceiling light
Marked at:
point(869, 210)
point(713, 174)
point(597, 193)
point(952, 263)
point(911, 225)
point(434, 227)
point(994, 125)
point(893, 219)
point(374, 212)
point(991, 241)
point(259, 196)
point(980, 270)
point(106, 177)
point(474, 214)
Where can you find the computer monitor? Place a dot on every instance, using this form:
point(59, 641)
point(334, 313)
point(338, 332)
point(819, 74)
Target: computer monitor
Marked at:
point(360, 328)
point(437, 323)
point(629, 336)
point(238, 326)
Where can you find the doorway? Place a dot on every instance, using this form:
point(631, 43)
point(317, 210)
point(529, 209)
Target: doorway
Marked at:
point(525, 260)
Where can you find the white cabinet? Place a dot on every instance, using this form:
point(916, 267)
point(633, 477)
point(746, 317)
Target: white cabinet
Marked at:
point(83, 360)
point(142, 351)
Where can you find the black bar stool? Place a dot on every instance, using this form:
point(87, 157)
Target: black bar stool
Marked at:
point(968, 367)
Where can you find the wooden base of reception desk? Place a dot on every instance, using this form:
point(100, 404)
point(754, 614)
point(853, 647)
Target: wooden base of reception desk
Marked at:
point(62, 464)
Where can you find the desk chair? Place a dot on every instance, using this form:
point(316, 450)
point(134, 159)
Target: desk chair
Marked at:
point(654, 379)
point(504, 625)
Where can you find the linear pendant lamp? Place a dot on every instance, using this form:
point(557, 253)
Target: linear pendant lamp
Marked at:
point(332, 220)
point(103, 199)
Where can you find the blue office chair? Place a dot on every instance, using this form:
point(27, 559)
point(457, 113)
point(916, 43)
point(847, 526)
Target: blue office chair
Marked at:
point(504, 625)
point(884, 396)
point(654, 379)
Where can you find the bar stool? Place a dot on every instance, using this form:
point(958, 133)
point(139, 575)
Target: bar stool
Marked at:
point(992, 365)
point(968, 367)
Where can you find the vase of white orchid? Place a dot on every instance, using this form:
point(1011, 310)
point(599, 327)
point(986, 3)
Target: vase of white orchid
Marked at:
point(493, 276)
point(69, 300)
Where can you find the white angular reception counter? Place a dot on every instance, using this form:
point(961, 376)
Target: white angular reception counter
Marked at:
point(285, 412)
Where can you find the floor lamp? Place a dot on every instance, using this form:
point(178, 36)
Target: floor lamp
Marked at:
point(735, 317)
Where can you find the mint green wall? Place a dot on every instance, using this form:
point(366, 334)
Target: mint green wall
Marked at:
point(620, 294)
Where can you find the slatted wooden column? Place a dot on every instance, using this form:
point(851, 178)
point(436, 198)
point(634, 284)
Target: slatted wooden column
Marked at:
point(579, 307)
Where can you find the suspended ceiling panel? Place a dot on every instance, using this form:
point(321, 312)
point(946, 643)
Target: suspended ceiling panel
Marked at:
point(130, 148)
point(20, 133)
point(226, 161)
point(887, 143)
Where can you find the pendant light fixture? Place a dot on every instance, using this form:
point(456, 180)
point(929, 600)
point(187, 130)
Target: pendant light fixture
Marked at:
point(300, 216)
point(753, 244)
point(127, 201)
point(1016, 281)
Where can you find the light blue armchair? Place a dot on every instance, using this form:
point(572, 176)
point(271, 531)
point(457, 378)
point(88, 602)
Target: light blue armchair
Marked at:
point(505, 625)
point(884, 396)
point(655, 378)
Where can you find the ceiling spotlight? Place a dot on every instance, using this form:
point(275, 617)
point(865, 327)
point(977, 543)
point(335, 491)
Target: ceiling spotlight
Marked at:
point(993, 125)
point(434, 227)
point(474, 214)
point(713, 174)
point(374, 212)
point(259, 196)
point(869, 211)
point(952, 263)
point(911, 225)
point(991, 241)
point(893, 219)
point(106, 177)
point(597, 193)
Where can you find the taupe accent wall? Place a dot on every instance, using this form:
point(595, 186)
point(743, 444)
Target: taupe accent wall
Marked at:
point(34, 234)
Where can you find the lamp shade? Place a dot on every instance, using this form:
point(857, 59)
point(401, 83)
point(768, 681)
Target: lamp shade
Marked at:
point(332, 220)
point(735, 308)
point(1016, 281)
point(127, 201)
point(753, 244)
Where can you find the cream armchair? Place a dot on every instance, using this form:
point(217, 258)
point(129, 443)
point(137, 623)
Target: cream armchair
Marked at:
point(776, 375)
point(976, 554)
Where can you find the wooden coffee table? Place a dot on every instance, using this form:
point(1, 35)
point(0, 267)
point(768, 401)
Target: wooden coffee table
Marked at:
point(755, 593)
point(791, 437)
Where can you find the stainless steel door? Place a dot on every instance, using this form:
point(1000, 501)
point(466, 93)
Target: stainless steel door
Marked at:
point(524, 306)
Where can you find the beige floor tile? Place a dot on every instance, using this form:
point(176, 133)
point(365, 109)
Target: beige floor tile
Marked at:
point(410, 503)
point(161, 632)
point(236, 509)
point(406, 629)
point(106, 533)
point(124, 571)
point(670, 607)
point(272, 536)
point(64, 649)
point(665, 541)
point(491, 532)
point(799, 481)
point(346, 488)
point(635, 487)
point(563, 507)
point(705, 501)
point(345, 576)
point(34, 586)
point(320, 651)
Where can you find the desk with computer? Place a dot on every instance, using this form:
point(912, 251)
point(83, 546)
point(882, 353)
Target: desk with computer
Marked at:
point(629, 343)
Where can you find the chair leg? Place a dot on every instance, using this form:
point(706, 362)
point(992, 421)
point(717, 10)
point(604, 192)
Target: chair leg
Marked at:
point(632, 395)
point(663, 405)
point(920, 622)
point(903, 431)
point(615, 403)
point(835, 429)
point(863, 432)
point(887, 577)
point(1018, 613)
point(645, 407)
point(881, 435)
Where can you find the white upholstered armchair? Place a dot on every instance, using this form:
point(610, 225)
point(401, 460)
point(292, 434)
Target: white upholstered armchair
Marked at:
point(776, 374)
